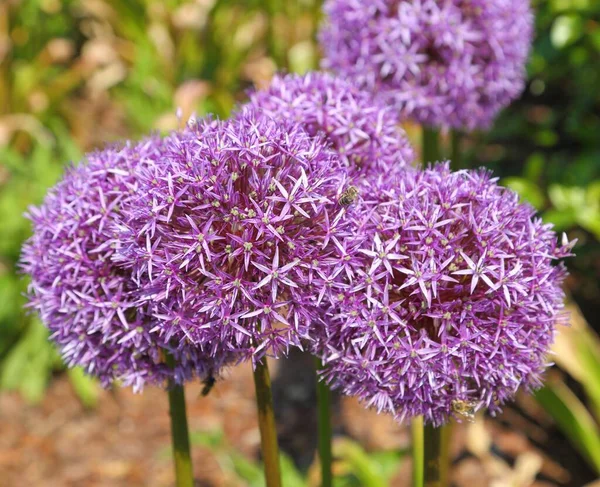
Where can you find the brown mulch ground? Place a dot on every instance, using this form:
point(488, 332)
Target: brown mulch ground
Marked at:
point(124, 441)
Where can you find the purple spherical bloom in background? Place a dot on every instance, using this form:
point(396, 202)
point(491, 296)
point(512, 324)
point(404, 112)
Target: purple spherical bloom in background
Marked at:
point(365, 133)
point(90, 304)
point(448, 63)
point(236, 234)
point(454, 303)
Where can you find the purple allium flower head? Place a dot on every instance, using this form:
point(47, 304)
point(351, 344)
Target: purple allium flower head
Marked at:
point(236, 232)
point(91, 304)
point(365, 133)
point(453, 63)
point(454, 303)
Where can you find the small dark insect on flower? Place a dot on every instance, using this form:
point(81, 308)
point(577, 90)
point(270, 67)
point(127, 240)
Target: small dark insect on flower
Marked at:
point(454, 284)
point(349, 196)
point(465, 409)
point(208, 383)
point(212, 242)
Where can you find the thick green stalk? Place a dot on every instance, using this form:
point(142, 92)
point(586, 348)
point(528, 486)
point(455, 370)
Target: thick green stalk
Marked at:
point(456, 150)
point(432, 447)
point(417, 450)
point(324, 426)
point(431, 145)
point(179, 433)
point(266, 424)
point(446, 461)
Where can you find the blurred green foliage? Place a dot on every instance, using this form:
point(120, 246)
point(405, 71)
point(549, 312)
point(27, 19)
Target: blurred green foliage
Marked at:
point(78, 74)
point(546, 145)
point(353, 466)
point(577, 352)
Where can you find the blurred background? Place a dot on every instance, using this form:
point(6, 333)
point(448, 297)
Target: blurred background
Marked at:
point(78, 74)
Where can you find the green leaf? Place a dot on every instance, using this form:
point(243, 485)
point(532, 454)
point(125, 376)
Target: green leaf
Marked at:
point(233, 462)
point(388, 461)
point(577, 351)
point(573, 419)
point(28, 365)
point(566, 30)
point(588, 353)
point(561, 219)
point(213, 439)
point(303, 57)
point(534, 166)
point(253, 472)
point(575, 205)
point(247, 470)
point(356, 461)
point(528, 190)
point(85, 387)
point(564, 197)
point(290, 475)
point(566, 5)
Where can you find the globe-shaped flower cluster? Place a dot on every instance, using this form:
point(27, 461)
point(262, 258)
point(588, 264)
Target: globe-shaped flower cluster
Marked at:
point(363, 131)
point(453, 303)
point(236, 233)
point(451, 63)
point(90, 303)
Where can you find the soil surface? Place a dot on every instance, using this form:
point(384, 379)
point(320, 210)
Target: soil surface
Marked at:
point(124, 440)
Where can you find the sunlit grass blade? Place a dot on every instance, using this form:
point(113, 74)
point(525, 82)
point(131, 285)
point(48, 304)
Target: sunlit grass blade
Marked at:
point(573, 419)
point(577, 351)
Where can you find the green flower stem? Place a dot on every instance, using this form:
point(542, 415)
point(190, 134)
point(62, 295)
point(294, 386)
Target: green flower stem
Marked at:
point(431, 145)
point(179, 433)
point(266, 424)
point(456, 150)
point(417, 450)
point(324, 411)
point(433, 461)
point(446, 458)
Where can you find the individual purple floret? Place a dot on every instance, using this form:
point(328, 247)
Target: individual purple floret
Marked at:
point(90, 304)
point(454, 303)
point(234, 233)
point(444, 63)
point(365, 133)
